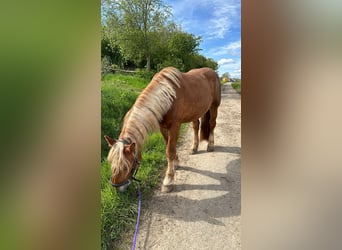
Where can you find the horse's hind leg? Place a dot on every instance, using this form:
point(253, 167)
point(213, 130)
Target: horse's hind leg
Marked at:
point(212, 125)
point(195, 126)
point(171, 158)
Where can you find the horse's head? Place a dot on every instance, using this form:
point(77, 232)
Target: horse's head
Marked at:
point(123, 162)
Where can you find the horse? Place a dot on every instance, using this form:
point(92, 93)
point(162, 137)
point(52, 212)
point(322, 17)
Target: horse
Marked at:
point(170, 99)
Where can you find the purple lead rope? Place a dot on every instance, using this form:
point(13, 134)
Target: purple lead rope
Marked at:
point(138, 219)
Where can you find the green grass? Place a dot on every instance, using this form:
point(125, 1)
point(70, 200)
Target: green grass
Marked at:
point(127, 80)
point(117, 97)
point(237, 86)
point(119, 210)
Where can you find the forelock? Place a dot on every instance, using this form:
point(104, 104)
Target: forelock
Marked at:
point(119, 163)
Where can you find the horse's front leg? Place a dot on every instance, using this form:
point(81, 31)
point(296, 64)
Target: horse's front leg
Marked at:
point(171, 154)
point(165, 132)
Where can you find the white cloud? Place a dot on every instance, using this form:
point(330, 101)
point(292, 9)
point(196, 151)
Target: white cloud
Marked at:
point(236, 73)
point(234, 68)
point(213, 19)
point(233, 48)
point(225, 61)
point(224, 17)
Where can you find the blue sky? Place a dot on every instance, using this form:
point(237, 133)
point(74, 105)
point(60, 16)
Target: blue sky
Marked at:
point(218, 22)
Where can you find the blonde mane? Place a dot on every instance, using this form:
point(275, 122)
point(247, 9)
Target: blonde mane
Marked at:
point(144, 117)
point(151, 106)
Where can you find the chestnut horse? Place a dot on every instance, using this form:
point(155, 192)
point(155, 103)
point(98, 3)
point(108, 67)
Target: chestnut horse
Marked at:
point(171, 98)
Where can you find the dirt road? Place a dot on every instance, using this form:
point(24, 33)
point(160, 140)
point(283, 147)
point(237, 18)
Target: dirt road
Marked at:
point(203, 210)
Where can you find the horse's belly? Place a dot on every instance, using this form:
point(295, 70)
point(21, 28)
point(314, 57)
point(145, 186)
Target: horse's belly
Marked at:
point(194, 111)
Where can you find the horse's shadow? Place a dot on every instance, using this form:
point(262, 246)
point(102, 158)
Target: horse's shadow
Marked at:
point(232, 150)
point(207, 209)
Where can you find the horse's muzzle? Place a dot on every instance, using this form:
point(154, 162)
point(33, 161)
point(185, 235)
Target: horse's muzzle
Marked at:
point(121, 186)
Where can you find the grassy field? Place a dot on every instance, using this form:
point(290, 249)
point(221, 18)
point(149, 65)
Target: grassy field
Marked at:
point(119, 210)
point(237, 86)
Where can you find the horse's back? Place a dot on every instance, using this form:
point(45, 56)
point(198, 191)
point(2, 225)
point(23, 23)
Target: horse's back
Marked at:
point(197, 93)
point(202, 78)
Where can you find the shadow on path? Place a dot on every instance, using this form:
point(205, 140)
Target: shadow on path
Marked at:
point(223, 149)
point(208, 209)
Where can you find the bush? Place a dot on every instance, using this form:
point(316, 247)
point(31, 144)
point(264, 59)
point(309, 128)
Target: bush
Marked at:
point(237, 86)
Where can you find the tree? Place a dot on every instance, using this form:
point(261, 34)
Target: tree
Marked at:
point(225, 77)
point(211, 63)
point(136, 23)
point(184, 46)
point(110, 48)
point(142, 32)
point(199, 61)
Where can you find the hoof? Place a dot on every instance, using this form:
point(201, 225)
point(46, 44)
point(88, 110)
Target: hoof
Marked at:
point(168, 180)
point(210, 148)
point(166, 189)
point(194, 151)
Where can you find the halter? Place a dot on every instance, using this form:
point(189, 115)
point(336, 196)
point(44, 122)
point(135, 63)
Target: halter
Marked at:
point(134, 170)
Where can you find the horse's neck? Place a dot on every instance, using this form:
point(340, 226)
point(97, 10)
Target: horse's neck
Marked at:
point(126, 133)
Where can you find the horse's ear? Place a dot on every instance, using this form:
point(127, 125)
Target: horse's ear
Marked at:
point(110, 141)
point(130, 148)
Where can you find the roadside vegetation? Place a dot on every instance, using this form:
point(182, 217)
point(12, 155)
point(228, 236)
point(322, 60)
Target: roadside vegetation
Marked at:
point(237, 86)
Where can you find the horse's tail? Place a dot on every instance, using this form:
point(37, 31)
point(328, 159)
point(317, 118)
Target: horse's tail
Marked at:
point(205, 127)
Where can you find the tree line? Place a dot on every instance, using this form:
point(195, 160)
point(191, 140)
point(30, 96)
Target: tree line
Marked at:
point(141, 34)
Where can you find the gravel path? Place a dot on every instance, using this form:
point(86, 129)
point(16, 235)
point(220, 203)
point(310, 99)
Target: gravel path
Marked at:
point(203, 210)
